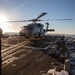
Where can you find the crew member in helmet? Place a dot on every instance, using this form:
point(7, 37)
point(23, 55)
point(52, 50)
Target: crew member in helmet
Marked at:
point(61, 47)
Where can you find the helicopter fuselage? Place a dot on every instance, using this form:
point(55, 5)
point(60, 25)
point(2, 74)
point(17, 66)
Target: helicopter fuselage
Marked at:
point(34, 29)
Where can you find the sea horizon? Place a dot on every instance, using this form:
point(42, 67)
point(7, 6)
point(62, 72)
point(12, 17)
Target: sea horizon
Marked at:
point(17, 33)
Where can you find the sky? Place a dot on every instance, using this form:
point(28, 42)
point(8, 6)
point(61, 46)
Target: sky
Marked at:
point(30, 9)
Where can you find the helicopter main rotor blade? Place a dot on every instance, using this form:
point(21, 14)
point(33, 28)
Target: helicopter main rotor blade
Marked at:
point(34, 20)
point(56, 20)
point(41, 15)
point(59, 19)
point(20, 21)
point(25, 20)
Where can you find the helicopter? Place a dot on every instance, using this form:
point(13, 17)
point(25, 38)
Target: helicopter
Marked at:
point(35, 29)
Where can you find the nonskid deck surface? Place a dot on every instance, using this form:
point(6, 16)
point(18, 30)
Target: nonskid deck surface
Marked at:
point(23, 59)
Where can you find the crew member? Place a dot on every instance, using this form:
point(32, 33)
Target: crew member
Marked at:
point(58, 44)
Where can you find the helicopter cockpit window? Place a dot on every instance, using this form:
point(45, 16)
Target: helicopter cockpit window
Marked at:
point(39, 25)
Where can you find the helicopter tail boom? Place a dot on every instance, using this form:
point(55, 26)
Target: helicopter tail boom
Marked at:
point(51, 30)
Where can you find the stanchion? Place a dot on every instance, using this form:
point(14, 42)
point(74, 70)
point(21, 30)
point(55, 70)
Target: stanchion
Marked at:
point(0, 51)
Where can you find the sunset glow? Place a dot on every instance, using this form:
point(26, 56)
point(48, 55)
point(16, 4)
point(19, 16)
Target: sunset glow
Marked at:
point(3, 23)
